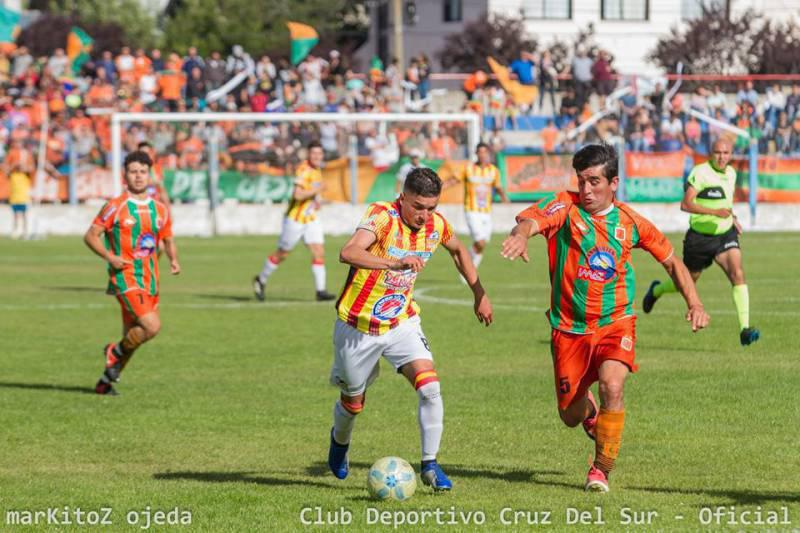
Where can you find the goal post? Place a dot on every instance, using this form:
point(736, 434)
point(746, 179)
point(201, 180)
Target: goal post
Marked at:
point(471, 121)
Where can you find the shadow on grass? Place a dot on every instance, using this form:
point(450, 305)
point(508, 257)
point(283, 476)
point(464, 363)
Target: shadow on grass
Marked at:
point(251, 298)
point(45, 387)
point(75, 288)
point(515, 476)
point(237, 477)
point(739, 497)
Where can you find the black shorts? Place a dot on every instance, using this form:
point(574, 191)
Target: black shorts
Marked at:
point(699, 250)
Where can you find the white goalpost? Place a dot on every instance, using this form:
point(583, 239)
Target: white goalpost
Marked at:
point(118, 120)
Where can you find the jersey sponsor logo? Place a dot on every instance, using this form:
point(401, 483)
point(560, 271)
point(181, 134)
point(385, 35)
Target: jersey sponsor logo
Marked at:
point(602, 266)
point(145, 246)
point(399, 281)
point(129, 222)
point(731, 244)
point(389, 307)
point(583, 229)
point(399, 253)
point(712, 193)
point(556, 207)
point(110, 211)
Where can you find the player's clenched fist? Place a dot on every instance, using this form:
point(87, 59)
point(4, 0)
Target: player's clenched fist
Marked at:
point(410, 262)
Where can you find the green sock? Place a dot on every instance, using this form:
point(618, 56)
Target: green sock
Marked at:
point(741, 299)
point(663, 288)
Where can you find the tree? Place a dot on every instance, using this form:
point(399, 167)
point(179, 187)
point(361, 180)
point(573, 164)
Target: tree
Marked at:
point(49, 32)
point(137, 24)
point(257, 26)
point(499, 36)
point(713, 43)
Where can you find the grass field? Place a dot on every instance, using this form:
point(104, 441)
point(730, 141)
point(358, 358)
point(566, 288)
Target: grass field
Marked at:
point(226, 414)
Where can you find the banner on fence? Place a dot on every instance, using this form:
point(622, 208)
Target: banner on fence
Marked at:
point(530, 177)
point(193, 185)
point(654, 177)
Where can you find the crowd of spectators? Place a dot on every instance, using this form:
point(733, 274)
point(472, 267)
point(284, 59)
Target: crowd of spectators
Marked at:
point(35, 88)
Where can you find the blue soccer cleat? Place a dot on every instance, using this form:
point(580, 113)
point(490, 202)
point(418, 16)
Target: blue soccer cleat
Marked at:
point(748, 336)
point(433, 476)
point(337, 458)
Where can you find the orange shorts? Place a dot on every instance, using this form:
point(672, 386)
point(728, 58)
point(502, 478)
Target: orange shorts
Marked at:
point(577, 358)
point(135, 304)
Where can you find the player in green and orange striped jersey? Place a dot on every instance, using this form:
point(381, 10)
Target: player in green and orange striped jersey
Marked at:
point(590, 236)
point(133, 226)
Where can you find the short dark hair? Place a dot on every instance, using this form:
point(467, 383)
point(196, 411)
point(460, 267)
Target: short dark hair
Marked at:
point(314, 144)
point(482, 145)
point(143, 144)
point(423, 182)
point(592, 155)
point(137, 157)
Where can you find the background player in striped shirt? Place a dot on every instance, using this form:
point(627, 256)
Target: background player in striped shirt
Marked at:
point(713, 234)
point(133, 226)
point(590, 237)
point(481, 181)
point(377, 315)
point(301, 221)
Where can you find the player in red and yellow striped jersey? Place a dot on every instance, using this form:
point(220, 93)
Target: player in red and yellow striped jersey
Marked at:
point(377, 315)
point(301, 221)
point(127, 234)
point(481, 181)
point(590, 236)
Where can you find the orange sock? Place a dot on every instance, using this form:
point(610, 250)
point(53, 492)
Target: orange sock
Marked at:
point(128, 345)
point(608, 438)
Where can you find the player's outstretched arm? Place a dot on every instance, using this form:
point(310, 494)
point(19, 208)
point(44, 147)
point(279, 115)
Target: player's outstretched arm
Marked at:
point(516, 244)
point(356, 253)
point(172, 253)
point(680, 275)
point(464, 264)
point(93, 239)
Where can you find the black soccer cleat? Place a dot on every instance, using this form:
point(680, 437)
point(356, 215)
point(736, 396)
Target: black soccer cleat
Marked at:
point(113, 363)
point(748, 336)
point(105, 389)
point(325, 296)
point(258, 289)
point(649, 298)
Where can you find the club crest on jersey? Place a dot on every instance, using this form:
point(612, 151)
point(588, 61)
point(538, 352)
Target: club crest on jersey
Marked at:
point(393, 213)
point(619, 233)
point(432, 240)
point(145, 246)
point(370, 223)
point(602, 265)
point(389, 307)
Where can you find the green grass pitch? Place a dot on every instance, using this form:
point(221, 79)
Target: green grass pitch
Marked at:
point(226, 414)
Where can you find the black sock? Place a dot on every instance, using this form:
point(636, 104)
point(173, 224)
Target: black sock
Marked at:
point(426, 463)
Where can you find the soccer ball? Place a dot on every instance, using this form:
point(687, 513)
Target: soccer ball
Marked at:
point(391, 478)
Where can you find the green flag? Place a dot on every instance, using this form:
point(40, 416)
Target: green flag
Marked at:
point(9, 25)
point(303, 39)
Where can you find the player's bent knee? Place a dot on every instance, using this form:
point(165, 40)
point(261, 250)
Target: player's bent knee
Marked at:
point(426, 383)
point(570, 417)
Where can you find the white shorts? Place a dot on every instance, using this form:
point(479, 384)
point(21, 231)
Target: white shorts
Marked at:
point(480, 225)
point(356, 355)
point(292, 232)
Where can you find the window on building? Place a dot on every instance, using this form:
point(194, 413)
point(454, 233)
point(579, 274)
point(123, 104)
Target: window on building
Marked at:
point(693, 9)
point(547, 9)
point(625, 9)
point(452, 11)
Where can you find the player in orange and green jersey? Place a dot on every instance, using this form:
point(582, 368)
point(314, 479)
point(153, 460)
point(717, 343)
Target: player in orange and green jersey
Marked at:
point(590, 236)
point(127, 234)
point(377, 315)
point(301, 221)
point(481, 181)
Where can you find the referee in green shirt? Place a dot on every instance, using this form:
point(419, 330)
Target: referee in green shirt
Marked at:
point(713, 234)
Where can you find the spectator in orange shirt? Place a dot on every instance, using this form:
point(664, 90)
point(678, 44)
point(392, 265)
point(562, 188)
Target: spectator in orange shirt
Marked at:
point(170, 84)
point(141, 65)
point(549, 137)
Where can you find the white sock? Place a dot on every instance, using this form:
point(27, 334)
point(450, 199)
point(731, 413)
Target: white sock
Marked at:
point(318, 269)
point(431, 419)
point(476, 257)
point(343, 421)
point(269, 268)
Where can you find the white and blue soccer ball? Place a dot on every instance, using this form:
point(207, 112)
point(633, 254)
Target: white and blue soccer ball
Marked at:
point(391, 478)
